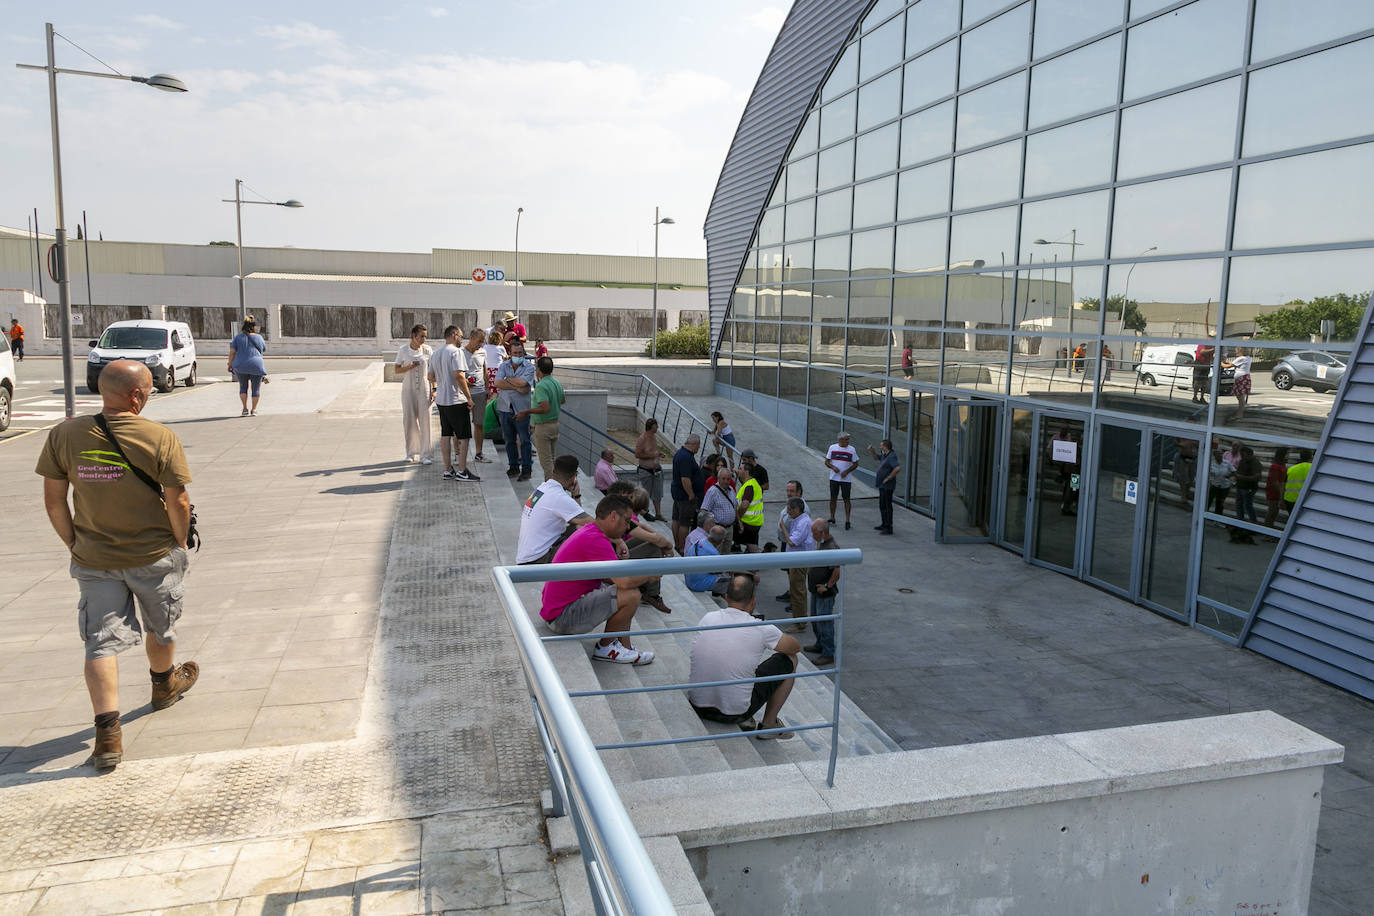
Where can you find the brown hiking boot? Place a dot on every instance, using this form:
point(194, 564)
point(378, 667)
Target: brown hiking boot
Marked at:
point(182, 679)
point(109, 746)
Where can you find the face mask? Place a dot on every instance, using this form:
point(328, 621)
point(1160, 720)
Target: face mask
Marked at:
point(517, 360)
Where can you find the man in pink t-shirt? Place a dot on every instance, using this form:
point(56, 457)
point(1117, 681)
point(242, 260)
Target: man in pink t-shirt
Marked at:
point(579, 605)
point(605, 471)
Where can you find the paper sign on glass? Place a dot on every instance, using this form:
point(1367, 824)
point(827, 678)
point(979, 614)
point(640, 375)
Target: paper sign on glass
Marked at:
point(1130, 492)
point(1064, 451)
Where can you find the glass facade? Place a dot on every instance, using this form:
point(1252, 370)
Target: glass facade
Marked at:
point(1136, 233)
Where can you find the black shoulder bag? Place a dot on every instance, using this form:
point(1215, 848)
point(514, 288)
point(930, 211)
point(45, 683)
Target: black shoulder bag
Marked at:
point(192, 536)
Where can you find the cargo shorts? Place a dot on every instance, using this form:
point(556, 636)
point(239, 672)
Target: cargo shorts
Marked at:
point(105, 611)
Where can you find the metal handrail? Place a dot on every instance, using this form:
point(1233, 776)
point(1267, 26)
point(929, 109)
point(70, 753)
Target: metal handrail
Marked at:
point(620, 874)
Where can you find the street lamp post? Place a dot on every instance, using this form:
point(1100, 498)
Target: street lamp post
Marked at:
point(1073, 244)
point(518, 212)
point(64, 293)
point(238, 203)
point(1126, 293)
point(653, 329)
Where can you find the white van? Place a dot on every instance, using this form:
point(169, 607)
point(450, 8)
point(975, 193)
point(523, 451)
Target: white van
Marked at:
point(165, 347)
point(6, 382)
point(1173, 365)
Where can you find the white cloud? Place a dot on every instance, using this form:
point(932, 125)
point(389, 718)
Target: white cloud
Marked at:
point(301, 34)
point(769, 19)
point(438, 12)
point(158, 22)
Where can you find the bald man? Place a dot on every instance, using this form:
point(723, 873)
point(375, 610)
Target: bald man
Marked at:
point(127, 542)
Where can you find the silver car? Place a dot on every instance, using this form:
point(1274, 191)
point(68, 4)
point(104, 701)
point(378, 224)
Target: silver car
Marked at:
point(1313, 369)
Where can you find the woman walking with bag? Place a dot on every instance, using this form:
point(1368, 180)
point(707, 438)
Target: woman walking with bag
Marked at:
point(245, 362)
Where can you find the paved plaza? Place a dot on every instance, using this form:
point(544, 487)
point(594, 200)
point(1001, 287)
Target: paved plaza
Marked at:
point(360, 740)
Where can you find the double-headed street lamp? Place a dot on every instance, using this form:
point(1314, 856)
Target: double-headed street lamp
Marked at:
point(1073, 244)
point(64, 293)
point(238, 203)
point(518, 212)
point(653, 329)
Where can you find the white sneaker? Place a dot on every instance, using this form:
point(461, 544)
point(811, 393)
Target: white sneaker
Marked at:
point(426, 460)
point(617, 653)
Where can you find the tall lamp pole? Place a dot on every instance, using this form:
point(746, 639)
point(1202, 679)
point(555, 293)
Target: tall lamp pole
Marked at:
point(59, 267)
point(518, 212)
point(1073, 244)
point(1126, 293)
point(653, 329)
point(238, 203)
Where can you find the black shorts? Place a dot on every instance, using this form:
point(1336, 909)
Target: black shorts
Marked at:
point(841, 488)
point(685, 512)
point(455, 420)
point(773, 665)
point(748, 535)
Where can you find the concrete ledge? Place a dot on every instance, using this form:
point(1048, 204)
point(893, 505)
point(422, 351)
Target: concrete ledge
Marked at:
point(674, 870)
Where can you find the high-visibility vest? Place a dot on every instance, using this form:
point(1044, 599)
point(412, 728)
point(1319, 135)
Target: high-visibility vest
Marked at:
point(751, 512)
point(1297, 476)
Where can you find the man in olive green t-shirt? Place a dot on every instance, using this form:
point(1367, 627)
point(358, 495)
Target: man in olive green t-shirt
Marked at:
point(546, 402)
point(126, 542)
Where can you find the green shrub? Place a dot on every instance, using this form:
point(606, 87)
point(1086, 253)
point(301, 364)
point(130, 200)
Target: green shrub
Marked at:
point(686, 343)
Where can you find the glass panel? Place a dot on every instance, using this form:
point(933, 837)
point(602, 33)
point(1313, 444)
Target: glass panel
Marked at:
point(750, 275)
point(1073, 156)
point(875, 201)
point(981, 301)
point(1080, 81)
point(807, 137)
point(821, 432)
point(1018, 479)
point(825, 387)
point(796, 262)
point(770, 228)
point(770, 265)
point(916, 351)
point(1289, 105)
point(880, 49)
point(871, 252)
point(1045, 299)
point(923, 191)
point(801, 178)
point(1059, 23)
point(1167, 381)
point(766, 340)
point(921, 246)
point(1234, 561)
point(832, 258)
point(988, 176)
point(723, 370)
point(766, 378)
point(977, 9)
point(829, 301)
point(833, 212)
point(1179, 131)
point(777, 198)
point(880, 100)
point(1056, 514)
point(928, 134)
point(1215, 618)
point(1141, 8)
point(970, 451)
point(844, 77)
point(995, 46)
point(1074, 228)
point(1172, 216)
point(1306, 200)
point(1188, 44)
point(796, 302)
point(742, 303)
point(792, 383)
point(1046, 367)
point(770, 302)
point(919, 301)
point(867, 353)
point(801, 219)
point(880, 11)
point(837, 165)
point(994, 111)
point(1287, 296)
point(837, 119)
point(920, 471)
point(795, 343)
point(1169, 521)
point(1169, 298)
point(929, 21)
point(870, 303)
point(1286, 25)
point(975, 360)
point(876, 152)
point(929, 77)
point(988, 236)
point(1118, 481)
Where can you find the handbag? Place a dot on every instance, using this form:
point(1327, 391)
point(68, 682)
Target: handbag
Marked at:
point(192, 535)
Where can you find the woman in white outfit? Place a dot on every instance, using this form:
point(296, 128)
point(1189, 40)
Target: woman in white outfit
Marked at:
point(412, 364)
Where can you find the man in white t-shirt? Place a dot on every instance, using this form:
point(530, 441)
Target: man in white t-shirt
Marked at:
point(550, 514)
point(448, 373)
point(841, 458)
point(723, 655)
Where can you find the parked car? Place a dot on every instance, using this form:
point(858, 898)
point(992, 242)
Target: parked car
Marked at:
point(1173, 365)
point(6, 383)
point(1315, 369)
point(165, 347)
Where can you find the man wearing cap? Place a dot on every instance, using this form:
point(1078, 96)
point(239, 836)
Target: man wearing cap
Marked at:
point(841, 458)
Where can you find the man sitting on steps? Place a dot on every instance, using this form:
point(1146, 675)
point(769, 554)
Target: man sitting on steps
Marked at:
point(723, 655)
point(551, 513)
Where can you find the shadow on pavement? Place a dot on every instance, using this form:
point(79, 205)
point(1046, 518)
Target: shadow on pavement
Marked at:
point(361, 488)
point(327, 472)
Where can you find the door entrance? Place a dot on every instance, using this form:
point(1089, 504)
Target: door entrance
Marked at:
point(911, 415)
point(1055, 486)
point(1142, 515)
point(969, 479)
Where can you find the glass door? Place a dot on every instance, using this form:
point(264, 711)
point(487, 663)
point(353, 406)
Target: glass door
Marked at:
point(911, 413)
point(1055, 489)
point(1168, 535)
point(969, 479)
point(1116, 503)
point(1017, 492)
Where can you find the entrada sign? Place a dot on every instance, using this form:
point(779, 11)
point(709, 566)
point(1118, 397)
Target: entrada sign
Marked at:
point(486, 273)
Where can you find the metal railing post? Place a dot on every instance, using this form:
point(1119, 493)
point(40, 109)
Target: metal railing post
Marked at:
point(839, 669)
point(556, 784)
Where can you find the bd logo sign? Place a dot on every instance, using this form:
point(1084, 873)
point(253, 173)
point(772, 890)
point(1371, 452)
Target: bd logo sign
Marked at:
point(486, 273)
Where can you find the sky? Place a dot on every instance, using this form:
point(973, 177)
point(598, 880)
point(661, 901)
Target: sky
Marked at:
point(401, 126)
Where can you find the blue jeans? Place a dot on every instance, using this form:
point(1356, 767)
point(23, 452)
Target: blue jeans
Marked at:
point(825, 629)
point(520, 456)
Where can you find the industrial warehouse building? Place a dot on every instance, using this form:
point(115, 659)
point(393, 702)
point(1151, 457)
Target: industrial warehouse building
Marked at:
point(1037, 244)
